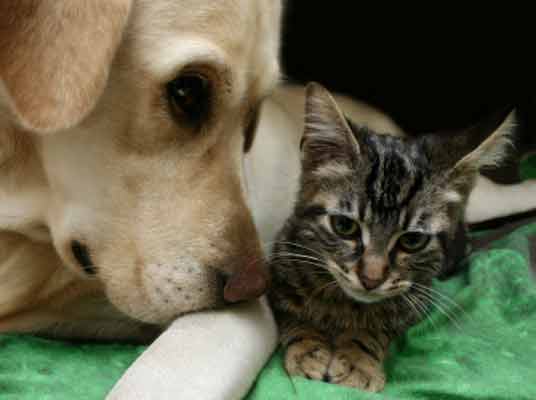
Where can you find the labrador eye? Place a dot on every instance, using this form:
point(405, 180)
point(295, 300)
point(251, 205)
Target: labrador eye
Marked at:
point(411, 242)
point(345, 227)
point(189, 96)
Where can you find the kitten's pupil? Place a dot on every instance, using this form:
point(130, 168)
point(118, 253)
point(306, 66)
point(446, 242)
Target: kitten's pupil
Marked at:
point(345, 227)
point(412, 242)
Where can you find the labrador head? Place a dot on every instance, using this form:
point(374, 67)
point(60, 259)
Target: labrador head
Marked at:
point(134, 117)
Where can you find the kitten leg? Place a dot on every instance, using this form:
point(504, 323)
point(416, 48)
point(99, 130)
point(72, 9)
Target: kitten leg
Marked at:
point(363, 355)
point(308, 352)
point(491, 200)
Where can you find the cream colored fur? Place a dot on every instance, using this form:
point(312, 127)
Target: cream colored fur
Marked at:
point(90, 152)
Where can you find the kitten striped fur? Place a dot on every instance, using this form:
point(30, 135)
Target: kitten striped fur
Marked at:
point(373, 224)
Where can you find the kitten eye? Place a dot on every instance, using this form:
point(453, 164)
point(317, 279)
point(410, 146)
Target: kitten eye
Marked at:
point(189, 96)
point(343, 226)
point(412, 242)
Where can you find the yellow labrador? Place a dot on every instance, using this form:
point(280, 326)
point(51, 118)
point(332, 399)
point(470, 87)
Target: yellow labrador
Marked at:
point(123, 126)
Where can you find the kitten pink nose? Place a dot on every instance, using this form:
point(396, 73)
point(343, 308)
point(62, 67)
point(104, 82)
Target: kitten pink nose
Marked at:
point(373, 271)
point(370, 284)
point(248, 283)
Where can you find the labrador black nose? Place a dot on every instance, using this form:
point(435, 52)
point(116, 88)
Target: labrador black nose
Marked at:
point(248, 283)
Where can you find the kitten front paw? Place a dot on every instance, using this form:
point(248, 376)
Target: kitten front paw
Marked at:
point(309, 358)
point(364, 372)
point(347, 365)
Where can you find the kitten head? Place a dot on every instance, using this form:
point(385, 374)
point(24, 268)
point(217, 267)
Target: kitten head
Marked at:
point(382, 210)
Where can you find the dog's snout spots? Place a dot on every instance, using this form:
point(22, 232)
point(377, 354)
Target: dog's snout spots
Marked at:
point(176, 288)
point(81, 255)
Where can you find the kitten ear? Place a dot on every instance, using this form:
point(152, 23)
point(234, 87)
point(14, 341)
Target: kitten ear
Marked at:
point(482, 145)
point(327, 135)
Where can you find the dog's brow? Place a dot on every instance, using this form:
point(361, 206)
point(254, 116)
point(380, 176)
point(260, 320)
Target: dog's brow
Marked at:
point(167, 59)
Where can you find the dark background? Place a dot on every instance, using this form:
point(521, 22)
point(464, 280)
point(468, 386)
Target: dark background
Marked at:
point(429, 72)
point(433, 70)
point(430, 69)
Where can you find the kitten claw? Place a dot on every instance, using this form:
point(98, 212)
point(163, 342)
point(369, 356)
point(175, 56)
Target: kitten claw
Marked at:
point(308, 358)
point(364, 372)
point(347, 366)
point(339, 368)
point(362, 380)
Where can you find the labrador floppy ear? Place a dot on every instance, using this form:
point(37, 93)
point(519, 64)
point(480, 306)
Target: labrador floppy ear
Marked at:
point(55, 57)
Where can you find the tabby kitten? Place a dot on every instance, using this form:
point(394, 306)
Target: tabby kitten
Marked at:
point(373, 223)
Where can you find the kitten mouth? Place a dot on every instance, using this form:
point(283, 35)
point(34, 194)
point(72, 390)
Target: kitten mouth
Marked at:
point(367, 298)
point(397, 286)
point(371, 297)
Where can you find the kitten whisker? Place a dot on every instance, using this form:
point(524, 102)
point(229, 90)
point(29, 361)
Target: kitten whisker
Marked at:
point(443, 297)
point(442, 308)
point(301, 246)
point(297, 255)
point(305, 262)
point(319, 272)
point(425, 312)
point(421, 304)
point(319, 290)
point(426, 305)
point(299, 260)
point(405, 297)
point(428, 269)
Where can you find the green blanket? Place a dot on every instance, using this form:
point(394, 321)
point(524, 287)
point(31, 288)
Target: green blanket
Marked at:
point(480, 345)
point(484, 349)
